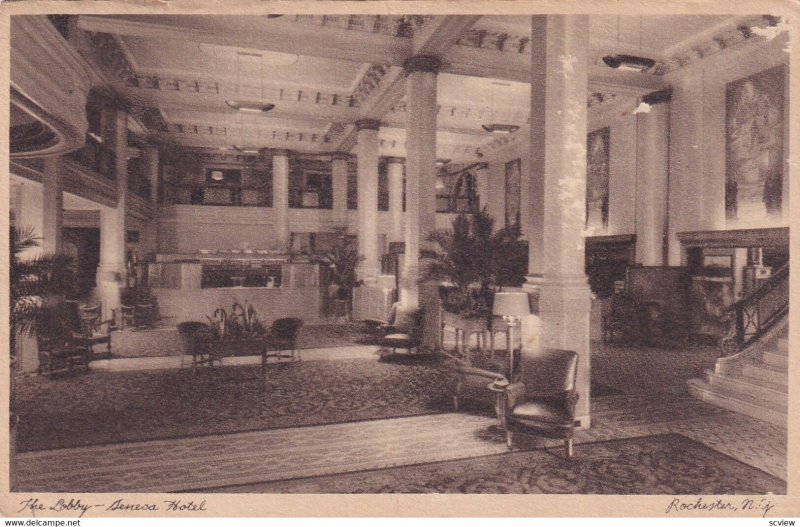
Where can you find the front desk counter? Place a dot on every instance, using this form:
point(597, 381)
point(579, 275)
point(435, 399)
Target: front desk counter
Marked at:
point(190, 290)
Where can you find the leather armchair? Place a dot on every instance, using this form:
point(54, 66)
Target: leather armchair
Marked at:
point(546, 404)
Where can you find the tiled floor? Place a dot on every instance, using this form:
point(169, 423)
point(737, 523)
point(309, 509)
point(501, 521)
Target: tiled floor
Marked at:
point(653, 400)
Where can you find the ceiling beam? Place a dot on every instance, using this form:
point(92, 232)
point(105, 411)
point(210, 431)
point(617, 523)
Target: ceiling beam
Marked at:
point(436, 37)
point(286, 37)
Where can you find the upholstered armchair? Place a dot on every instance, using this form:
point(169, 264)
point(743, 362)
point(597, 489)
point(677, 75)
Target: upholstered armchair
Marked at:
point(403, 331)
point(545, 404)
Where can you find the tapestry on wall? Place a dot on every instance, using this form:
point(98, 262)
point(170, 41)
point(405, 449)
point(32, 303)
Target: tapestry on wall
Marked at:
point(513, 190)
point(597, 173)
point(754, 176)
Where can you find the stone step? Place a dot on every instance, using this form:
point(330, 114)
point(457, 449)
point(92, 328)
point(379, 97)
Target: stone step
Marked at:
point(765, 373)
point(775, 359)
point(704, 391)
point(771, 396)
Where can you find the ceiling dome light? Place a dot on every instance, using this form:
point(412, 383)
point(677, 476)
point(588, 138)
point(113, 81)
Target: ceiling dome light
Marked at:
point(250, 107)
point(499, 128)
point(628, 62)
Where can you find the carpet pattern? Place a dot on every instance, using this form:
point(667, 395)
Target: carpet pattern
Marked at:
point(98, 408)
point(666, 464)
point(216, 461)
point(165, 341)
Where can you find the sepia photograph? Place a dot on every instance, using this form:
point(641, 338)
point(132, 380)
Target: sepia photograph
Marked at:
point(397, 251)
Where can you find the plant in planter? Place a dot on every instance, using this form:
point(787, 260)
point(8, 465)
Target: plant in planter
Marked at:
point(235, 331)
point(343, 260)
point(34, 283)
point(472, 261)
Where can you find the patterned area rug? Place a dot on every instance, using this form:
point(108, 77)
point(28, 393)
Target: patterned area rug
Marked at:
point(663, 464)
point(98, 408)
point(165, 341)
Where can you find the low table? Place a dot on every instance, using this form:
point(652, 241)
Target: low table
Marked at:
point(465, 327)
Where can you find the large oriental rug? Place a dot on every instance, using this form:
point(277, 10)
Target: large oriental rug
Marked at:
point(661, 464)
point(99, 408)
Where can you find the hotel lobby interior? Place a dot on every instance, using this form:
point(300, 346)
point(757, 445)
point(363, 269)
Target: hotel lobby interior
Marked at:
point(471, 254)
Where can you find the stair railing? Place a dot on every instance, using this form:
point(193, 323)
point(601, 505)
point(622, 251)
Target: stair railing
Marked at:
point(754, 314)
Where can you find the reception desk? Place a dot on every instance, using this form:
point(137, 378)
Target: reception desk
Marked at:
point(192, 288)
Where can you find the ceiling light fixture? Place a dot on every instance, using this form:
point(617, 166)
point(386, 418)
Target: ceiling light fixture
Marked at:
point(629, 62)
point(249, 107)
point(499, 128)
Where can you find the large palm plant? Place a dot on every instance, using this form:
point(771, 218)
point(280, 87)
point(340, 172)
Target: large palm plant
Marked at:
point(32, 281)
point(343, 260)
point(474, 260)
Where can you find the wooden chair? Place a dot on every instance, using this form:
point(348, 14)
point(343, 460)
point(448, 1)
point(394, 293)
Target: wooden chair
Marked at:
point(546, 405)
point(92, 330)
point(197, 342)
point(283, 337)
point(58, 351)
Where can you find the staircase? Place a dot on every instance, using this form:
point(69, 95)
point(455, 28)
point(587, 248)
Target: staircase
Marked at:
point(754, 379)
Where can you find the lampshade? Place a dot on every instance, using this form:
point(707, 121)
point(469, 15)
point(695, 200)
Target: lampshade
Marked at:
point(513, 304)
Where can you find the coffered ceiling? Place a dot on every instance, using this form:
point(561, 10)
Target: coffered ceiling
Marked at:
point(323, 73)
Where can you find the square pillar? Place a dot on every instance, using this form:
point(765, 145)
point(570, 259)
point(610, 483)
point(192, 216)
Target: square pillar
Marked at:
point(53, 206)
point(339, 183)
point(396, 173)
point(280, 197)
point(559, 77)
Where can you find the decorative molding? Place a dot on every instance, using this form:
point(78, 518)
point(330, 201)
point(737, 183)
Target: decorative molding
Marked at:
point(422, 63)
point(369, 81)
point(51, 81)
point(402, 26)
point(341, 156)
point(725, 38)
point(473, 113)
point(495, 41)
point(767, 237)
point(110, 54)
point(87, 184)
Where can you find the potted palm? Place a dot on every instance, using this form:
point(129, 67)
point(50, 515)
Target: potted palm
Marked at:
point(342, 259)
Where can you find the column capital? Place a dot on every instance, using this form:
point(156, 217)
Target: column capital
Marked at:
point(422, 63)
point(276, 152)
point(340, 156)
point(395, 160)
point(368, 124)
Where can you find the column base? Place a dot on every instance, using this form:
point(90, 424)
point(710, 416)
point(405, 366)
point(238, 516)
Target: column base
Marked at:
point(108, 290)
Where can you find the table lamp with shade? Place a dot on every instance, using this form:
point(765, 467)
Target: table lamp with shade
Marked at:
point(512, 306)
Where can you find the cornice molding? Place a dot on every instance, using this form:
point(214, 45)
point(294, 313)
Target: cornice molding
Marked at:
point(369, 81)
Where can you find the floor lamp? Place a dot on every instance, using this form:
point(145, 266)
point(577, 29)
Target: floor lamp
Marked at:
point(512, 306)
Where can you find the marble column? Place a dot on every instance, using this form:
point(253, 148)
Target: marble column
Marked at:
point(111, 269)
point(151, 164)
point(651, 185)
point(559, 75)
point(53, 205)
point(396, 171)
point(30, 214)
point(367, 159)
point(422, 71)
point(339, 183)
point(280, 197)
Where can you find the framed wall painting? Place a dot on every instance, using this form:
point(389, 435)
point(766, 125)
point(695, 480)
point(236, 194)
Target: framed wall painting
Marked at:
point(754, 145)
point(598, 148)
point(513, 189)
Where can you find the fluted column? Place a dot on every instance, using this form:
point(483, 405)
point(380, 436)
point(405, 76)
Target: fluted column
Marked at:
point(339, 182)
point(651, 185)
point(367, 158)
point(280, 197)
point(111, 269)
point(53, 205)
point(559, 76)
point(422, 71)
point(395, 171)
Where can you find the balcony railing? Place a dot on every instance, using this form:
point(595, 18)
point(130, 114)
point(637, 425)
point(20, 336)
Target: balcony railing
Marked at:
point(96, 157)
point(217, 195)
